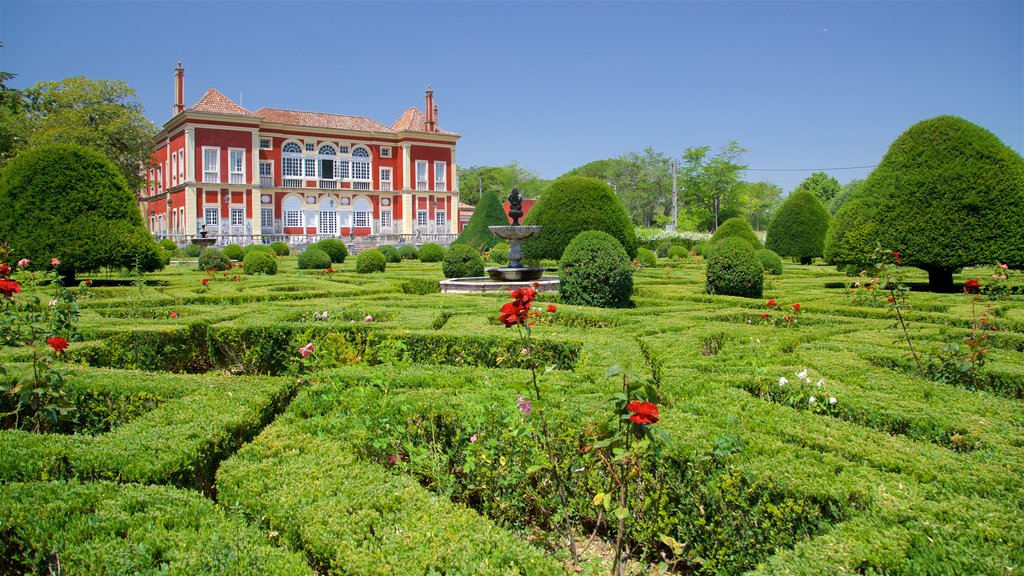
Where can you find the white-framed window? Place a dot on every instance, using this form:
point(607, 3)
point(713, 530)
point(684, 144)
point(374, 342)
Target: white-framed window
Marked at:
point(385, 219)
point(440, 176)
point(310, 146)
point(421, 174)
point(310, 164)
point(211, 165)
point(181, 220)
point(266, 173)
point(310, 218)
point(174, 169)
point(385, 180)
point(421, 217)
point(266, 218)
point(385, 151)
point(362, 212)
point(362, 219)
point(237, 216)
point(343, 149)
point(328, 217)
point(440, 217)
point(236, 165)
point(345, 218)
point(360, 163)
point(265, 143)
point(291, 213)
point(291, 160)
point(212, 216)
point(328, 159)
point(159, 178)
point(152, 185)
point(181, 165)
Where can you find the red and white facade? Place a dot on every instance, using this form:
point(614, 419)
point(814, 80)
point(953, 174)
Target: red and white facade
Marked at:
point(277, 174)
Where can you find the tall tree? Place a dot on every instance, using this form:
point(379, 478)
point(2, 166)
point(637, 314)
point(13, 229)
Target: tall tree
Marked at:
point(13, 124)
point(821, 185)
point(759, 200)
point(475, 180)
point(100, 114)
point(711, 180)
point(643, 183)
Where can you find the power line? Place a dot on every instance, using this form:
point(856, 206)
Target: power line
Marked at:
point(806, 169)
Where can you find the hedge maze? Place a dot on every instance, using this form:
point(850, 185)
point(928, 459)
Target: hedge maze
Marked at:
point(204, 443)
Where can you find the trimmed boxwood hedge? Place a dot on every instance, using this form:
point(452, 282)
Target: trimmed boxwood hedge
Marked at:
point(213, 259)
point(314, 259)
point(407, 251)
point(499, 253)
point(334, 248)
point(280, 248)
point(431, 252)
point(233, 251)
point(462, 261)
point(770, 261)
point(738, 227)
point(488, 212)
point(734, 269)
point(390, 253)
point(259, 262)
point(852, 236)
point(595, 271)
point(370, 261)
point(646, 258)
point(798, 227)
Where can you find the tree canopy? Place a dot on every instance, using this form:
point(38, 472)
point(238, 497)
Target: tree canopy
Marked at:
point(474, 180)
point(799, 227)
point(488, 212)
point(821, 185)
point(710, 181)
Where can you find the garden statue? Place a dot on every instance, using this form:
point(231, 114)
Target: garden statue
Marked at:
point(515, 206)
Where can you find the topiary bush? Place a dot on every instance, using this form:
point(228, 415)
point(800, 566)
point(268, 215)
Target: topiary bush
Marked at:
point(260, 262)
point(799, 227)
point(369, 261)
point(390, 253)
point(734, 270)
point(213, 259)
point(165, 256)
point(647, 258)
point(738, 227)
point(233, 251)
point(431, 252)
point(678, 253)
point(700, 247)
point(574, 204)
point(595, 271)
point(852, 237)
point(168, 244)
point(259, 248)
point(407, 251)
point(191, 250)
point(488, 212)
point(314, 259)
point(499, 253)
point(462, 261)
point(281, 248)
point(770, 261)
point(334, 247)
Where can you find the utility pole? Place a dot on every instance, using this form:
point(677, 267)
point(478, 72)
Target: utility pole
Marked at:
point(675, 200)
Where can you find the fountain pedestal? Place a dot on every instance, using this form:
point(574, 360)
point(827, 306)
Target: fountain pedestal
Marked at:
point(515, 271)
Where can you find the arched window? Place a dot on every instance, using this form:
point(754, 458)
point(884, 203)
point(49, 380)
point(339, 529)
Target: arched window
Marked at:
point(360, 163)
point(328, 217)
point(291, 160)
point(292, 211)
point(327, 158)
point(362, 212)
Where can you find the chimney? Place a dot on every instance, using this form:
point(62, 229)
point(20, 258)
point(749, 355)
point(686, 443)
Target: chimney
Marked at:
point(429, 109)
point(435, 118)
point(179, 90)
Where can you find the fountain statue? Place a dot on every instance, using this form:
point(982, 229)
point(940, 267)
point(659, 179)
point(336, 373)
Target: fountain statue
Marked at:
point(203, 241)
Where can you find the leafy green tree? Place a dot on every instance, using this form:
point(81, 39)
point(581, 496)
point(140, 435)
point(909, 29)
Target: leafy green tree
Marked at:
point(821, 185)
point(643, 183)
point(488, 212)
point(475, 180)
point(709, 181)
point(14, 127)
point(845, 193)
point(759, 200)
point(948, 194)
point(93, 222)
point(799, 227)
point(99, 114)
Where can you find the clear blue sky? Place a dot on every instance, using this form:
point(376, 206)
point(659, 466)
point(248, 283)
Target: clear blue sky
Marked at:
point(556, 85)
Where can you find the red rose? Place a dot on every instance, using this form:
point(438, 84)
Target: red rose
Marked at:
point(9, 288)
point(88, 282)
point(771, 302)
point(896, 255)
point(4, 269)
point(891, 299)
point(764, 316)
point(643, 412)
point(796, 307)
point(552, 309)
point(789, 320)
point(206, 281)
point(972, 286)
point(511, 314)
point(58, 344)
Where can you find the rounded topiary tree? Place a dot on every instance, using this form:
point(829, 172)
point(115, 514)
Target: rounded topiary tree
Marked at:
point(948, 194)
point(852, 237)
point(314, 259)
point(647, 258)
point(213, 259)
point(488, 212)
point(734, 270)
point(574, 204)
point(738, 227)
point(258, 248)
point(462, 261)
point(280, 248)
point(260, 262)
point(678, 252)
point(233, 251)
point(390, 253)
point(770, 261)
point(595, 271)
point(72, 203)
point(799, 227)
point(407, 251)
point(431, 252)
point(370, 261)
point(334, 247)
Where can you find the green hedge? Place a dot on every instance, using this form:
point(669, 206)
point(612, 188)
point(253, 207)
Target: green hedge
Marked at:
point(431, 252)
point(462, 261)
point(734, 269)
point(314, 259)
point(737, 227)
point(370, 261)
point(233, 252)
point(104, 528)
point(259, 262)
point(799, 227)
point(595, 271)
point(488, 212)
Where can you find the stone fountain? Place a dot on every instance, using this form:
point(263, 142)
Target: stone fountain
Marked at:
point(515, 275)
point(203, 242)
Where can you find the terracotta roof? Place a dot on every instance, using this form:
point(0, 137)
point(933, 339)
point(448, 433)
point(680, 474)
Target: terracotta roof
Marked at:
point(415, 121)
point(217, 103)
point(321, 120)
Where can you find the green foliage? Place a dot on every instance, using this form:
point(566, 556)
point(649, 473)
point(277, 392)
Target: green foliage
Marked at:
point(431, 252)
point(314, 259)
point(574, 204)
point(770, 261)
point(734, 270)
point(280, 248)
point(259, 248)
point(191, 250)
point(168, 244)
point(213, 259)
point(740, 228)
point(259, 262)
point(647, 258)
point(852, 237)
point(499, 253)
point(711, 183)
point(488, 212)
point(845, 194)
point(462, 261)
point(821, 185)
point(799, 227)
point(420, 286)
point(370, 261)
point(595, 271)
point(407, 251)
point(233, 252)
point(94, 222)
point(678, 253)
point(500, 180)
point(390, 253)
point(334, 247)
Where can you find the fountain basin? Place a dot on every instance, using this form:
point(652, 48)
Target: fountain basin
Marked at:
point(520, 274)
point(515, 232)
point(484, 284)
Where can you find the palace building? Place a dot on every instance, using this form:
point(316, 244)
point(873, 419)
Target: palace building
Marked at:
point(277, 174)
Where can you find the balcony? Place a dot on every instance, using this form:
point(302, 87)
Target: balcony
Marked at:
point(236, 179)
point(291, 183)
point(385, 186)
point(266, 181)
point(440, 186)
point(421, 185)
point(360, 185)
point(328, 185)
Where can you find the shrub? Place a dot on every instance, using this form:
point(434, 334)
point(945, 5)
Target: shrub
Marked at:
point(595, 271)
point(334, 248)
point(233, 251)
point(213, 259)
point(799, 227)
point(369, 261)
point(259, 248)
point(574, 204)
point(431, 252)
point(462, 261)
point(168, 244)
point(407, 251)
point(738, 227)
point(93, 222)
point(165, 256)
point(281, 248)
point(420, 286)
point(314, 259)
point(734, 270)
point(770, 261)
point(663, 249)
point(647, 258)
point(678, 253)
point(499, 253)
point(259, 262)
point(852, 237)
point(488, 212)
point(390, 253)
point(700, 248)
point(191, 250)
